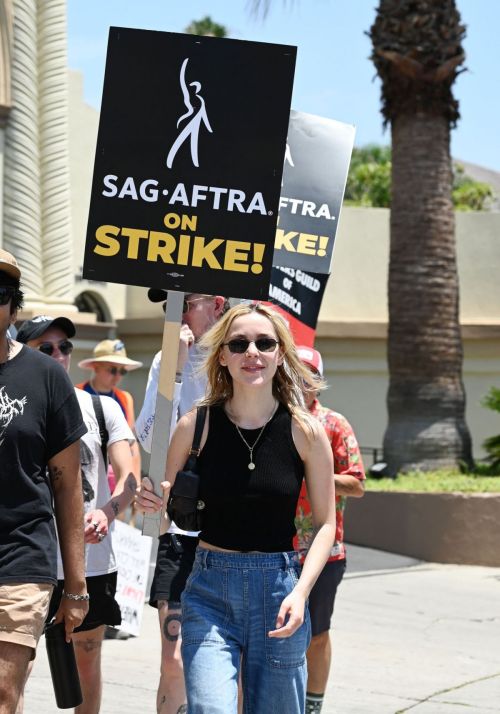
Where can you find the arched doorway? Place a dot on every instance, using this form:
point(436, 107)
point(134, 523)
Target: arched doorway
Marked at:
point(93, 302)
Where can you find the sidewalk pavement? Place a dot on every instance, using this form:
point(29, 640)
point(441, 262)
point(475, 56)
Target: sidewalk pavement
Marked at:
point(407, 636)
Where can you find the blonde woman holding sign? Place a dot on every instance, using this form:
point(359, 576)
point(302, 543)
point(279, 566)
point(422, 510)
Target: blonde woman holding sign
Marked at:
point(244, 605)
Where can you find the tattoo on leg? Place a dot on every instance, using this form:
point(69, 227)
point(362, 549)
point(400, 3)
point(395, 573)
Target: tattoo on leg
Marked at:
point(182, 709)
point(55, 473)
point(88, 645)
point(172, 626)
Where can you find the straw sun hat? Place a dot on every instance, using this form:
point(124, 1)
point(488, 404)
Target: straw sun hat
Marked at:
point(113, 352)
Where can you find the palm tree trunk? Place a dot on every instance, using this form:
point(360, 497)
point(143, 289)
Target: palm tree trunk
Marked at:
point(426, 398)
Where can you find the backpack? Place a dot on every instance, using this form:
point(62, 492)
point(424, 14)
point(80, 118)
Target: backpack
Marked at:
point(103, 432)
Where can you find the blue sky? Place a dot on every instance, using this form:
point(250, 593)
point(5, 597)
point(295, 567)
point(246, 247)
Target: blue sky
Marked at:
point(333, 78)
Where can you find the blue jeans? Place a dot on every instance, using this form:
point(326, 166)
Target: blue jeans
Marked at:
point(230, 603)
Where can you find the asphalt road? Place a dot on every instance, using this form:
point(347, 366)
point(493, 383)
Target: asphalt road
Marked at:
point(407, 636)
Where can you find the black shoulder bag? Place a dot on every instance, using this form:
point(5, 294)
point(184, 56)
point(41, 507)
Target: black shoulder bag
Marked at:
point(184, 507)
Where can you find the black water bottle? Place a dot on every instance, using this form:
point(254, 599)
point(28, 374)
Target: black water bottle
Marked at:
point(63, 669)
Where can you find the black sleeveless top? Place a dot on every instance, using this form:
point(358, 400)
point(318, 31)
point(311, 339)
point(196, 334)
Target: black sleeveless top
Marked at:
point(244, 509)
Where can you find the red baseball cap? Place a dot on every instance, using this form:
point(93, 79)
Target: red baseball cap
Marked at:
point(311, 357)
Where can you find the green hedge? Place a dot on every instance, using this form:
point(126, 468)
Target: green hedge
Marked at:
point(436, 482)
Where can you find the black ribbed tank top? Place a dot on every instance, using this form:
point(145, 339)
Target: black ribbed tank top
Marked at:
point(250, 510)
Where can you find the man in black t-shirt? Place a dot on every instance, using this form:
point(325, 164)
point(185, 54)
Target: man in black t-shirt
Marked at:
point(40, 428)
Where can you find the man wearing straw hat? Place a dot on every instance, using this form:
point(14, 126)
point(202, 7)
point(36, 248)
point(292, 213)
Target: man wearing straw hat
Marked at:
point(109, 364)
point(40, 427)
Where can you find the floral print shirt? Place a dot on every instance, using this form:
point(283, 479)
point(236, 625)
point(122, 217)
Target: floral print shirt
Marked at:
point(347, 461)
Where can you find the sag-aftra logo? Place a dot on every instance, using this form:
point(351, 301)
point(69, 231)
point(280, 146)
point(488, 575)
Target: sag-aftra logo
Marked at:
point(192, 119)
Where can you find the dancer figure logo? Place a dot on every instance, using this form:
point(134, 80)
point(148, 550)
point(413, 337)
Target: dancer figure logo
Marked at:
point(193, 117)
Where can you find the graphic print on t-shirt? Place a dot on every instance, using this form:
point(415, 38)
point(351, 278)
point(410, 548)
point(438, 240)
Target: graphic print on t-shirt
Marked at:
point(85, 462)
point(9, 408)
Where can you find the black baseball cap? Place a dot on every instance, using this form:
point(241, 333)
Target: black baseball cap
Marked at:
point(157, 294)
point(31, 329)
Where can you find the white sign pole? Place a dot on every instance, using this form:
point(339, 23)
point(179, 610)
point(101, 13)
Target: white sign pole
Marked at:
point(155, 524)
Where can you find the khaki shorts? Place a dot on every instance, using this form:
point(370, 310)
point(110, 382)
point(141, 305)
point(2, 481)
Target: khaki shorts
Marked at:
point(23, 609)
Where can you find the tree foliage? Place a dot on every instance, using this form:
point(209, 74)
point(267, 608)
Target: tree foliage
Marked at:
point(369, 182)
point(492, 444)
point(206, 26)
point(417, 52)
point(468, 194)
point(369, 179)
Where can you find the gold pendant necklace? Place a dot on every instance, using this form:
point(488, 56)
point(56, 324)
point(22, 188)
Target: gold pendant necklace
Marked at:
point(251, 465)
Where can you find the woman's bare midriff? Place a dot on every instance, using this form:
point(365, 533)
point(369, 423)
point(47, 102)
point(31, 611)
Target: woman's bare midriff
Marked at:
point(208, 546)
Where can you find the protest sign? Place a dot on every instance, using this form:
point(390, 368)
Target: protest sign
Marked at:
point(317, 158)
point(132, 553)
point(188, 165)
point(297, 295)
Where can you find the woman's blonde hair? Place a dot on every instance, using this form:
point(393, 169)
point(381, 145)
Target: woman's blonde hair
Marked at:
point(291, 380)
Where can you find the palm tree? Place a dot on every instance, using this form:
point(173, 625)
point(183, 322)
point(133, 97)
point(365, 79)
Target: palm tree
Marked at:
point(417, 53)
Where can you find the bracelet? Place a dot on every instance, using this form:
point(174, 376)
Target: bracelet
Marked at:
point(79, 598)
point(178, 377)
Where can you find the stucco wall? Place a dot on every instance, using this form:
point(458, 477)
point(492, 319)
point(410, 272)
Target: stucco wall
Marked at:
point(478, 253)
point(357, 289)
point(356, 370)
point(439, 527)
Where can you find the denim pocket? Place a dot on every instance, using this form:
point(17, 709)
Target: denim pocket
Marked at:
point(286, 652)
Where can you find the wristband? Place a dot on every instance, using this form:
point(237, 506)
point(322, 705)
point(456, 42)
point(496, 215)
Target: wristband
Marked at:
point(178, 377)
point(79, 598)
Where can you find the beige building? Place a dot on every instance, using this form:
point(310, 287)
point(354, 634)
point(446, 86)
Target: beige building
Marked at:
point(46, 163)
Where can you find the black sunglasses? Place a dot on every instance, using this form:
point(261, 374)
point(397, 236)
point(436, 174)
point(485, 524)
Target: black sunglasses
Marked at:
point(117, 370)
point(6, 293)
point(263, 344)
point(65, 347)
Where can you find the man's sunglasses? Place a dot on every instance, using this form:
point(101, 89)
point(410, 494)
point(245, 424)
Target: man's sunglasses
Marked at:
point(65, 347)
point(6, 293)
point(185, 304)
point(263, 344)
point(116, 370)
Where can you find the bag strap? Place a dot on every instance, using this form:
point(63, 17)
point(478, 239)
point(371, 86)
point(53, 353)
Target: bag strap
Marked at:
point(103, 432)
point(201, 414)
